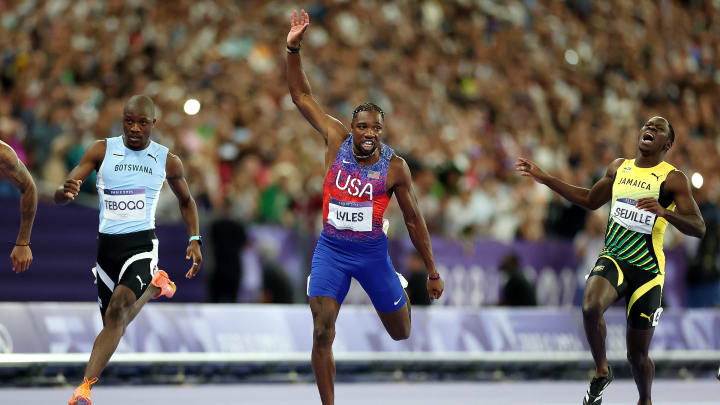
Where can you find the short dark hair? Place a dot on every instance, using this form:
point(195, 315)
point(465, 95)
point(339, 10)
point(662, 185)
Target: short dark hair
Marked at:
point(368, 107)
point(672, 131)
point(143, 102)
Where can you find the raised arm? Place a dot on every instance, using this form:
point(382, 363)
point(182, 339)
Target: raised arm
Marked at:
point(400, 181)
point(686, 217)
point(14, 170)
point(91, 160)
point(592, 199)
point(330, 128)
point(175, 175)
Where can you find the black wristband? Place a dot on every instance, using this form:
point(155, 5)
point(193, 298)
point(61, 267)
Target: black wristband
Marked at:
point(28, 244)
point(293, 50)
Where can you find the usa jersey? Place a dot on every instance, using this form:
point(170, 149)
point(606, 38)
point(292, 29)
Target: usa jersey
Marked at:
point(128, 183)
point(355, 196)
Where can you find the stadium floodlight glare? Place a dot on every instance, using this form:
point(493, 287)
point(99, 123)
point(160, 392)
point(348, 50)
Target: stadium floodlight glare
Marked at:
point(191, 106)
point(571, 57)
point(697, 180)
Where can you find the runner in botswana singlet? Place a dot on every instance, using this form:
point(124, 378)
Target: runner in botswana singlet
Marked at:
point(131, 171)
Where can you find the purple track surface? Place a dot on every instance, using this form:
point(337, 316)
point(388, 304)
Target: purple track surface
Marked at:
point(665, 392)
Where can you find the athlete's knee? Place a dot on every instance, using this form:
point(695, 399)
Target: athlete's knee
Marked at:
point(118, 311)
point(591, 309)
point(115, 315)
point(323, 335)
point(638, 358)
point(323, 330)
point(401, 333)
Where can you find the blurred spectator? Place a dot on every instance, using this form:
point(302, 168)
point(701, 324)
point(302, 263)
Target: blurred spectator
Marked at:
point(467, 86)
point(703, 273)
point(276, 285)
point(588, 244)
point(275, 200)
point(516, 289)
point(417, 280)
point(228, 237)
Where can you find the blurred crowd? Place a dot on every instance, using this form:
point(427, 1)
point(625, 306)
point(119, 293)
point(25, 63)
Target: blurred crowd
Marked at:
point(467, 86)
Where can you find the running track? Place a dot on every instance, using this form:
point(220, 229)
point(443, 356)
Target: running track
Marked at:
point(665, 392)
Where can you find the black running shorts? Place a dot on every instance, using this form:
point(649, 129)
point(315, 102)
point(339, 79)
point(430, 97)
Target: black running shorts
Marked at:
point(128, 259)
point(642, 290)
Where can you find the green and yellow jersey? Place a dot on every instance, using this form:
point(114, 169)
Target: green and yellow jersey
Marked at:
point(636, 236)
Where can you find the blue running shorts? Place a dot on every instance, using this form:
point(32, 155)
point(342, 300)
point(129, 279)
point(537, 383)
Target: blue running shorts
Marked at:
point(336, 261)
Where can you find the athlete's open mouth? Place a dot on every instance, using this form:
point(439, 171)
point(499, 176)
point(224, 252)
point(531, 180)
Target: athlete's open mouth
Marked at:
point(368, 146)
point(648, 137)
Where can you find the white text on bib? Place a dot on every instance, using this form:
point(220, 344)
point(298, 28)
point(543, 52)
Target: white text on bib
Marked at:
point(628, 216)
point(354, 216)
point(124, 205)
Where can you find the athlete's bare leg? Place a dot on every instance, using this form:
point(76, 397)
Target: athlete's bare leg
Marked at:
point(598, 296)
point(121, 310)
point(324, 311)
point(150, 292)
point(643, 368)
point(397, 323)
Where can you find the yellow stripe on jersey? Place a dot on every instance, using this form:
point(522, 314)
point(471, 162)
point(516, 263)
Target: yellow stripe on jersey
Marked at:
point(621, 276)
point(658, 280)
point(641, 245)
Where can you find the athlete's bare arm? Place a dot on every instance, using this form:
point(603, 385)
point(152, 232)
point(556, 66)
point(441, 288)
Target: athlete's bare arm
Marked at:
point(686, 217)
point(175, 175)
point(91, 160)
point(332, 130)
point(592, 198)
point(15, 171)
point(399, 181)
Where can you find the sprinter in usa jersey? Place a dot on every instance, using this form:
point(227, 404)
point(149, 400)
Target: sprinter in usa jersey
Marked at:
point(646, 194)
point(131, 170)
point(362, 174)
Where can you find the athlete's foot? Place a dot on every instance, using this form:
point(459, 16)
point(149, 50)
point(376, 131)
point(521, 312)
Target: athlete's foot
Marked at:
point(600, 372)
point(81, 395)
point(162, 281)
point(597, 386)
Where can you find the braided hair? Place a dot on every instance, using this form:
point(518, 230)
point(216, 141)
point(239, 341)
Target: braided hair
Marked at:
point(368, 107)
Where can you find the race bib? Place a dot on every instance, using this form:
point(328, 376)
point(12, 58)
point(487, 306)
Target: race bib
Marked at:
point(628, 216)
point(124, 205)
point(347, 215)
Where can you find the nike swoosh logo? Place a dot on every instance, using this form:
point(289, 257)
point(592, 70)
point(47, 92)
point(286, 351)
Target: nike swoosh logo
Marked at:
point(396, 302)
point(345, 161)
point(115, 154)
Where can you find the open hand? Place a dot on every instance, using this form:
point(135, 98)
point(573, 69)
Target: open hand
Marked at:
point(298, 25)
point(530, 169)
point(193, 251)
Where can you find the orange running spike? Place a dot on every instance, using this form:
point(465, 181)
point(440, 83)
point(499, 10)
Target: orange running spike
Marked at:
point(81, 395)
point(162, 281)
